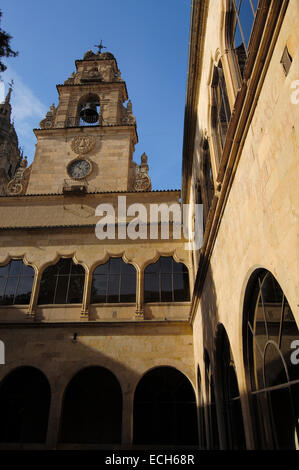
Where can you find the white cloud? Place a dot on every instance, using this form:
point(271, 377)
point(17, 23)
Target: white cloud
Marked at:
point(27, 111)
point(25, 103)
point(2, 92)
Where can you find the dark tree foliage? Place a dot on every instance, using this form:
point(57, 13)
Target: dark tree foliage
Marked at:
point(5, 50)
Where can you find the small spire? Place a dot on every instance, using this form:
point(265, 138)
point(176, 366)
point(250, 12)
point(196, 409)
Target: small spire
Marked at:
point(7, 99)
point(129, 106)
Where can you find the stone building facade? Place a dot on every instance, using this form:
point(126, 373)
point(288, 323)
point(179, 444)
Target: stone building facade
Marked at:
point(241, 161)
point(140, 342)
point(114, 309)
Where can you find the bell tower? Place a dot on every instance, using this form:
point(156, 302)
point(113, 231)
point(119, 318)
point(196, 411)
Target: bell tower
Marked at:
point(87, 142)
point(9, 147)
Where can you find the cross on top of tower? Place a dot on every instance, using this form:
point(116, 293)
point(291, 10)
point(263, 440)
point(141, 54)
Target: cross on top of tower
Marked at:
point(100, 47)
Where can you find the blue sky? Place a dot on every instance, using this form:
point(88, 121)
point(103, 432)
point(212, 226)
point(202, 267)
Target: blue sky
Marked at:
point(150, 42)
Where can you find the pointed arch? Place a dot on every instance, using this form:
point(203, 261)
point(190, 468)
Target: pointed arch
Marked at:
point(220, 110)
point(114, 282)
point(205, 185)
point(62, 283)
point(16, 281)
point(166, 281)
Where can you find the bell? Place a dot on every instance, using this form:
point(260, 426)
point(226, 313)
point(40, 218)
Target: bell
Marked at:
point(89, 113)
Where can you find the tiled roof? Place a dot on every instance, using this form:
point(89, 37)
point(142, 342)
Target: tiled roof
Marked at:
point(96, 192)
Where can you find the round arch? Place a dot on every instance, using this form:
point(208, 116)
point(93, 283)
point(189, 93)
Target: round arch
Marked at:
point(92, 408)
point(88, 98)
point(201, 413)
point(211, 412)
point(165, 409)
point(233, 435)
point(25, 396)
point(270, 332)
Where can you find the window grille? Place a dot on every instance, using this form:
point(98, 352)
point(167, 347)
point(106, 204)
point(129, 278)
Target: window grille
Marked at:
point(271, 331)
point(244, 13)
point(114, 282)
point(62, 283)
point(16, 280)
point(166, 281)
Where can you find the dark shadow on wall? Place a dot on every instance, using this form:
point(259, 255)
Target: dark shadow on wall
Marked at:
point(165, 400)
point(209, 312)
point(222, 413)
point(271, 397)
point(84, 408)
point(209, 430)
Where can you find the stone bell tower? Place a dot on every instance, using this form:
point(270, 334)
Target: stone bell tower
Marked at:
point(9, 147)
point(87, 143)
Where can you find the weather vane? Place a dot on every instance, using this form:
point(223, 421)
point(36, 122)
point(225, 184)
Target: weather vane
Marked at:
point(100, 47)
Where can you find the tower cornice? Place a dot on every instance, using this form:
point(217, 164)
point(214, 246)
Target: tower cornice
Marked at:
point(95, 59)
point(104, 127)
point(90, 86)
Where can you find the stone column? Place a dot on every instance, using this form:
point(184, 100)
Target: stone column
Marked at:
point(140, 294)
point(86, 295)
point(34, 295)
point(54, 419)
point(127, 418)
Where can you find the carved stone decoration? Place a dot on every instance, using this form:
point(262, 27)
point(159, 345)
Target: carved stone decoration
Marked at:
point(106, 72)
point(4, 149)
point(49, 119)
point(94, 73)
point(91, 75)
point(71, 79)
point(117, 76)
point(128, 117)
point(18, 185)
point(107, 56)
point(89, 55)
point(83, 144)
point(142, 180)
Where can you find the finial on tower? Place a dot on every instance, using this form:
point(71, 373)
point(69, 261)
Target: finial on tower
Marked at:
point(7, 99)
point(100, 47)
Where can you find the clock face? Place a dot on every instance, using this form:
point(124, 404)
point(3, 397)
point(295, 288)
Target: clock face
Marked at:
point(79, 168)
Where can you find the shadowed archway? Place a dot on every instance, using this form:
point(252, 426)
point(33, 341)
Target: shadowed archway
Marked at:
point(24, 406)
point(229, 395)
point(92, 408)
point(165, 409)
